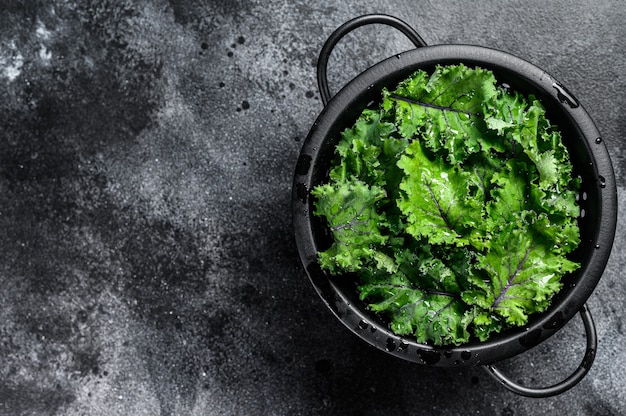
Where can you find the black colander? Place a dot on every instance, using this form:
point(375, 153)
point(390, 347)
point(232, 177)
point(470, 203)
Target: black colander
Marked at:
point(590, 160)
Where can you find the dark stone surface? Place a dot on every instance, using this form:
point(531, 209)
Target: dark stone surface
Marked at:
point(148, 265)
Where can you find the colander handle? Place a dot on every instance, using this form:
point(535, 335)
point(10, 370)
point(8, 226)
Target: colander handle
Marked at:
point(341, 31)
point(564, 385)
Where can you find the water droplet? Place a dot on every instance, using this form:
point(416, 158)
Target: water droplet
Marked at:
point(602, 181)
point(597, 246)
point(565, 96)
point(447, 354)
point(363, 324)
point(599, 140)
point(466, 355)
point(531, 338)
point(391, 345)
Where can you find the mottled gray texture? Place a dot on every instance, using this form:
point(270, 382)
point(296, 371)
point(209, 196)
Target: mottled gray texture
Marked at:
point(146, 155)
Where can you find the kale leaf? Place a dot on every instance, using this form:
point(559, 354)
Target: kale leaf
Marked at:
point(454, 204)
